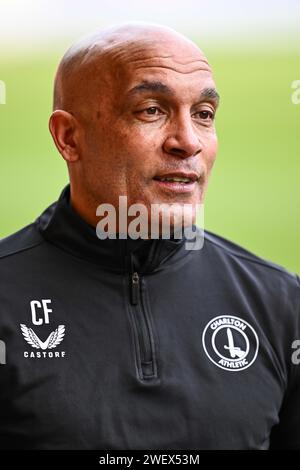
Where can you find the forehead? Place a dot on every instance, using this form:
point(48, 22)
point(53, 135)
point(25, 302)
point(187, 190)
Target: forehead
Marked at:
point(181, 67)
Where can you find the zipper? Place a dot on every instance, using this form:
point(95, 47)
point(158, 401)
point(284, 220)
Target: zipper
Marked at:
point(146, 359)
point(135, 288)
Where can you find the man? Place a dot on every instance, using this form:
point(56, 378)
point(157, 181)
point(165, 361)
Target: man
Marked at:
point(125, 343)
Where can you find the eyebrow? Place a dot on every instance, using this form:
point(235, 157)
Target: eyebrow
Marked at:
point(151, 86)
point(210, 94)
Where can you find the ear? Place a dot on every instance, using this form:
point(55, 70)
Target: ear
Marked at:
point(64, 129)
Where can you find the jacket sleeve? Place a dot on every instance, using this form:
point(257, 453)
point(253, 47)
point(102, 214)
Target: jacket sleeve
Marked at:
point(286, 435)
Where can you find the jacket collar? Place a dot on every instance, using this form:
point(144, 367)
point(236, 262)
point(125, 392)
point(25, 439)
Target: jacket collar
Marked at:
point(62, 226)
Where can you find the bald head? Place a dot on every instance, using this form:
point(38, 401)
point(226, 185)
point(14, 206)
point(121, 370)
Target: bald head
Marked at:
point(92, 63)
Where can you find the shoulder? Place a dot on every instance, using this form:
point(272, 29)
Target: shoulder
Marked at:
point(19, 242)
point(236, 253)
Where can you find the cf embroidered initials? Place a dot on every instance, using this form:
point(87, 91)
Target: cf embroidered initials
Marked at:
point(43, 311)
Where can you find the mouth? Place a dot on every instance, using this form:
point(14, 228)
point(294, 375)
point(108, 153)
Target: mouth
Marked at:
point(179, 182)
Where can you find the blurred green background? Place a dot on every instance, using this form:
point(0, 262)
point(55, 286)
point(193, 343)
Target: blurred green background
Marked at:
point(254, 194)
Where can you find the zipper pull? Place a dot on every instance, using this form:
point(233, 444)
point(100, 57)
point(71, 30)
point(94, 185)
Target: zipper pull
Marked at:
point(135, 288)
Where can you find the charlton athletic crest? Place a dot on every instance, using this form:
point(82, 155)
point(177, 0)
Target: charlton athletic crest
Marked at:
point(230, 343)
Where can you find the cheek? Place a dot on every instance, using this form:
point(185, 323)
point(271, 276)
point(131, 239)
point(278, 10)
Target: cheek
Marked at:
point(104, 162)
point(211, 149)
point(140, 148)
point(140, 138)
point(107, 146)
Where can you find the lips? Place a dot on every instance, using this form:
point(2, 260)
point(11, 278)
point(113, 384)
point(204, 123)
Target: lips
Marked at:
point(178, 182)
point(178, 177)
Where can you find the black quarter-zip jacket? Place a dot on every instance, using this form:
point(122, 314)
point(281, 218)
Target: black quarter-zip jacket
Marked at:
point(143, 344)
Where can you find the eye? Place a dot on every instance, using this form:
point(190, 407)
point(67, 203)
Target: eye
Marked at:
point(150, 114)
point(152, 111)
point(205, 115)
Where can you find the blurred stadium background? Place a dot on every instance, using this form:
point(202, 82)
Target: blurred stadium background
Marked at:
point(254, 48)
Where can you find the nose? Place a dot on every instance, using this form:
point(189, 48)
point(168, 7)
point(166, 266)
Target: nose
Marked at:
point(183, 139)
